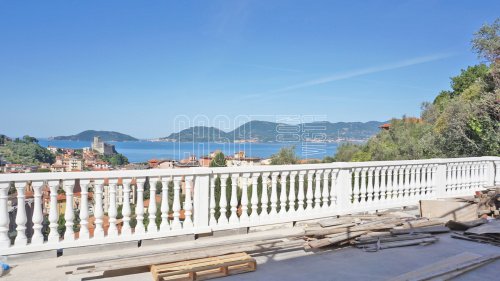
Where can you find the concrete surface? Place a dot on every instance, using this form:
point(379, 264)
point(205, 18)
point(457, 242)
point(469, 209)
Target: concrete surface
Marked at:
point(332, 264)
point(355, 264)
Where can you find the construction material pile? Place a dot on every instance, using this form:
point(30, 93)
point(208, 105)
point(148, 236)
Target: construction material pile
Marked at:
point(488, 202)
point(374, 232)
point(482, 230)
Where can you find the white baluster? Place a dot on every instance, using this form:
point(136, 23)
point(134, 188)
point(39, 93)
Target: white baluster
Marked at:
point(434, 179)
point(152, 228)
point(283, 195)
point(265, 198)
point(334, 188)
point(244, 198)
point(139, 207)
point(112, 211)
point(482, 174)
point(497, 172)
point(376, 185)
point(448, 179)
point(476, 175)
point(356, 188)
point(400, 187)
point(233, 218)
point(254, 216)
point(176, 206)
point(84, 210)
point(363, 188)
point(425, 190)
point(69, 213)
point(383, 184)
point(188, 203)
point(4, 215)
point(390, 183)
point(126, 210)
point(309, 191)
point(223, 220)
point(317, 190)
point(418, 183)
point(369, 187)
point(454, 178)
point(411, 190)
point(213, 220)
point(300, 196)
point(407, 187)
point(325, 193)
point(21, 239)
point(274, 194)
point(292, 198)
point(164, 208)
point(53, 214)
point(37, 219)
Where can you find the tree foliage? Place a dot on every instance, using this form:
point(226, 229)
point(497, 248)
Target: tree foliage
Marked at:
point(117, 159)
point(285, 156)
point(219, 160)
point(26, 151)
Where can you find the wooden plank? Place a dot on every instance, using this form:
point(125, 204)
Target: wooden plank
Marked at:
point(433, 267)
point(335, 221)
point(370, 240)
point(142, 264)
point(448, 268)
point(396, 244)
point(424, 222)
point(335, 239)
point(427, 229)
point(448, 209)
point(370, 226)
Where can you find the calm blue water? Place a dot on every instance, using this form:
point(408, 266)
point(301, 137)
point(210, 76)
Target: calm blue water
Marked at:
point(142, 151)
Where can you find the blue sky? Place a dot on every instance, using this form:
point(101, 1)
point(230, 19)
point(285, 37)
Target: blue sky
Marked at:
point(134, 66)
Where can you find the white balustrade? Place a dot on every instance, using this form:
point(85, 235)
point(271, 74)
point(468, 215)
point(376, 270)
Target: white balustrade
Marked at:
point(289, 193)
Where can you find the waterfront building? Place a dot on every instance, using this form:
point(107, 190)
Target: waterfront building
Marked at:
point(102, 147)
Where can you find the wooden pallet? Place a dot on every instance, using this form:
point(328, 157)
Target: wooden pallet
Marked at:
point(205, 268)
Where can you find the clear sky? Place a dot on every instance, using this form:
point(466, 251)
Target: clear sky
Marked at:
point(133, 66)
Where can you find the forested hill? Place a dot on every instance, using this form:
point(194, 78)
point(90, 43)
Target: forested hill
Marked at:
point(90, 134)
point(265, 131)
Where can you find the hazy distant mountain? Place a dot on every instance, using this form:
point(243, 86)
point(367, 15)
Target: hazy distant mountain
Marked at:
point(200, 134)
point(90, 134)
point(264, 131)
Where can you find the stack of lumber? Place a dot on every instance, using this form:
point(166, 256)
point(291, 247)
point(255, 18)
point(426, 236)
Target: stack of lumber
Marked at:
point(374, 232)
point(486, 232)
point(488, 202)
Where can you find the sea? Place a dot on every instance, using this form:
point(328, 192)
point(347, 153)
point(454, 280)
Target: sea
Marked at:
point(142, 151)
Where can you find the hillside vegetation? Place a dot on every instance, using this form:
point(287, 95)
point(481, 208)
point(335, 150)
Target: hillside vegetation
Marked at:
point(26, 151)
point(461, 122)
point(90, 134)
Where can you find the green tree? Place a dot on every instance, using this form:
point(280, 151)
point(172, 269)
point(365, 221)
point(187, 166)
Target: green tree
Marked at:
point(285, 156)
point(486, 41)
point(219, 160)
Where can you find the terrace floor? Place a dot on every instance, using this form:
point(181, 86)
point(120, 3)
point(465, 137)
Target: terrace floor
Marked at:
point(332, 264)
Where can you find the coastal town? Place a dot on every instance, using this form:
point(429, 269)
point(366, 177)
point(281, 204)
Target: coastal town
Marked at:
point(100, 156)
